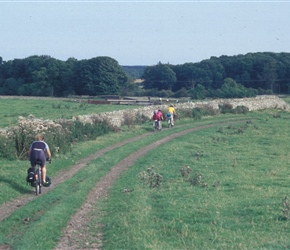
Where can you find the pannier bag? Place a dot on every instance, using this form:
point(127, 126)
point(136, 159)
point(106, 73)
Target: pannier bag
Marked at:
point(30, 175)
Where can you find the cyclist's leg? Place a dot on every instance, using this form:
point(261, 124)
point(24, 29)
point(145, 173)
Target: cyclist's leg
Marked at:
point(33, 158)
point(43, 170)
point(42, 158)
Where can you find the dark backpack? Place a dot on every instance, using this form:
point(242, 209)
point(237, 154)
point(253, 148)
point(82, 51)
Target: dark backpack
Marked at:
point(30, 175)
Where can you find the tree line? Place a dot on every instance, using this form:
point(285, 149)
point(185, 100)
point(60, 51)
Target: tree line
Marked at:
point(47, 76)
point(225, 76)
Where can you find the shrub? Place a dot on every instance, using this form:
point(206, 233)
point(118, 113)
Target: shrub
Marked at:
point(208, 110)
point(59, 136)
point(141, 118)
point(241, 110)
point(185, 172)
point(150, 177)
point(196, 113)
point(129, 119)
point(197, 180)
point(226, 108)
point(7, 148)
point(184, 113)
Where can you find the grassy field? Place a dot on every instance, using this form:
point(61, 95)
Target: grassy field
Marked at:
point(232, 198)
point(12, 108)
point(230, 195)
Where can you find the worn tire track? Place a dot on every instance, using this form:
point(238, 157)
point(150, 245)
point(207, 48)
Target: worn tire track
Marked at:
point(76, 234)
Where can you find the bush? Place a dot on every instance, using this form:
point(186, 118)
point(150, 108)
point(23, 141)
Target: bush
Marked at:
point(7, 148)
point(226, 108)
point(241, 110)
point(196, 114)
point(59, 137)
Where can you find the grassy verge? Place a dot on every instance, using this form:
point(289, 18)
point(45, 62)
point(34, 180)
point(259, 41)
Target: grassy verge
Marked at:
point(49, 213)
point(231, 199)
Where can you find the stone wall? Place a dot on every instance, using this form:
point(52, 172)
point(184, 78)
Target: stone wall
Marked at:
point(116, 118)
point(258, 103)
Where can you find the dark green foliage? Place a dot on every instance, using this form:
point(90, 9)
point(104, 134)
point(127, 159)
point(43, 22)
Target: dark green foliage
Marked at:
point(7, 148)
point(228, 108)
point(59, 139)
point(196, 114)
point(226, 76)
point(199, 92)
point(46, 76)
point(159, 77)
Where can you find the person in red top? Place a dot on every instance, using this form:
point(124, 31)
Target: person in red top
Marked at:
point(159, 112)
point(156, 118)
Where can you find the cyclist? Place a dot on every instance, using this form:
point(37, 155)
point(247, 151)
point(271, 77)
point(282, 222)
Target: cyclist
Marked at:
point(156, 117)
point(159, 113)
point(171, 113)
point(38, 151)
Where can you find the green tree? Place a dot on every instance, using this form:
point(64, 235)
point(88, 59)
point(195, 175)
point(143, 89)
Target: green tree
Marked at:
point(10, 86)
point(99, 76)
point(159, 77)
point(232, 89)
point(199, 92)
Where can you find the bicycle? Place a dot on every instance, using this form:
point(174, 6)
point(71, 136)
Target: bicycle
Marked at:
point(38, 177)
point(169, 120)
point(156, 126)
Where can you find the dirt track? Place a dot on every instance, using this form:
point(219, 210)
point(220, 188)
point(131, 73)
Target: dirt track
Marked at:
point(75, 234)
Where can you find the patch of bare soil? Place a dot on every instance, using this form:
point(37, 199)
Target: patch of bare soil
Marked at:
point(75, 236)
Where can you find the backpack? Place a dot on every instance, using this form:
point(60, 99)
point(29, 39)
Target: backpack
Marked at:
point(30, 176)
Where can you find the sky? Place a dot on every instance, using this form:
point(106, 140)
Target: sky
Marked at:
point(143, 32)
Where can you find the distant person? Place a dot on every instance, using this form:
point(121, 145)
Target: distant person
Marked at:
point(149, 98)
point(38, 150)
point(159, 113)
point(171, 113)
point(156, 118)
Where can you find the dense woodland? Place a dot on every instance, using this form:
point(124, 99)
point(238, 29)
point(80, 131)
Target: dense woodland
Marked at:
point(225, 76)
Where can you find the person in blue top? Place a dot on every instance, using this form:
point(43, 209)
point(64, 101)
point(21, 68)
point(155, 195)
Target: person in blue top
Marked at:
point(38, 150)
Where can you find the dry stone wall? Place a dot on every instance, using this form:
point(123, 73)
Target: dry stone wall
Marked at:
point(258, 103)
point(116, 118)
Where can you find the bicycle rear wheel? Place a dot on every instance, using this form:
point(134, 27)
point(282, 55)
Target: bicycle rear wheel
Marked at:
point(38, 182)
point(169, 123)
point(37, 187)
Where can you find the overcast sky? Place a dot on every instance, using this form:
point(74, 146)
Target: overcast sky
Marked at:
point(143, 32)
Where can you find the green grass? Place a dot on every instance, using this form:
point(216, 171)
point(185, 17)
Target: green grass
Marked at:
point(243, 211)
point(11, 109)
point(245, 176)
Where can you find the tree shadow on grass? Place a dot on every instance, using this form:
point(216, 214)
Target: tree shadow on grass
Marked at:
point(14, 185)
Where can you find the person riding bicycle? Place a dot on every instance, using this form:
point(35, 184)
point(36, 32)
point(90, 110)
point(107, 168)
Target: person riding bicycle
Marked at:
point(171, 113)
point(156, 118)
point(38, 150)
point(159, 112)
